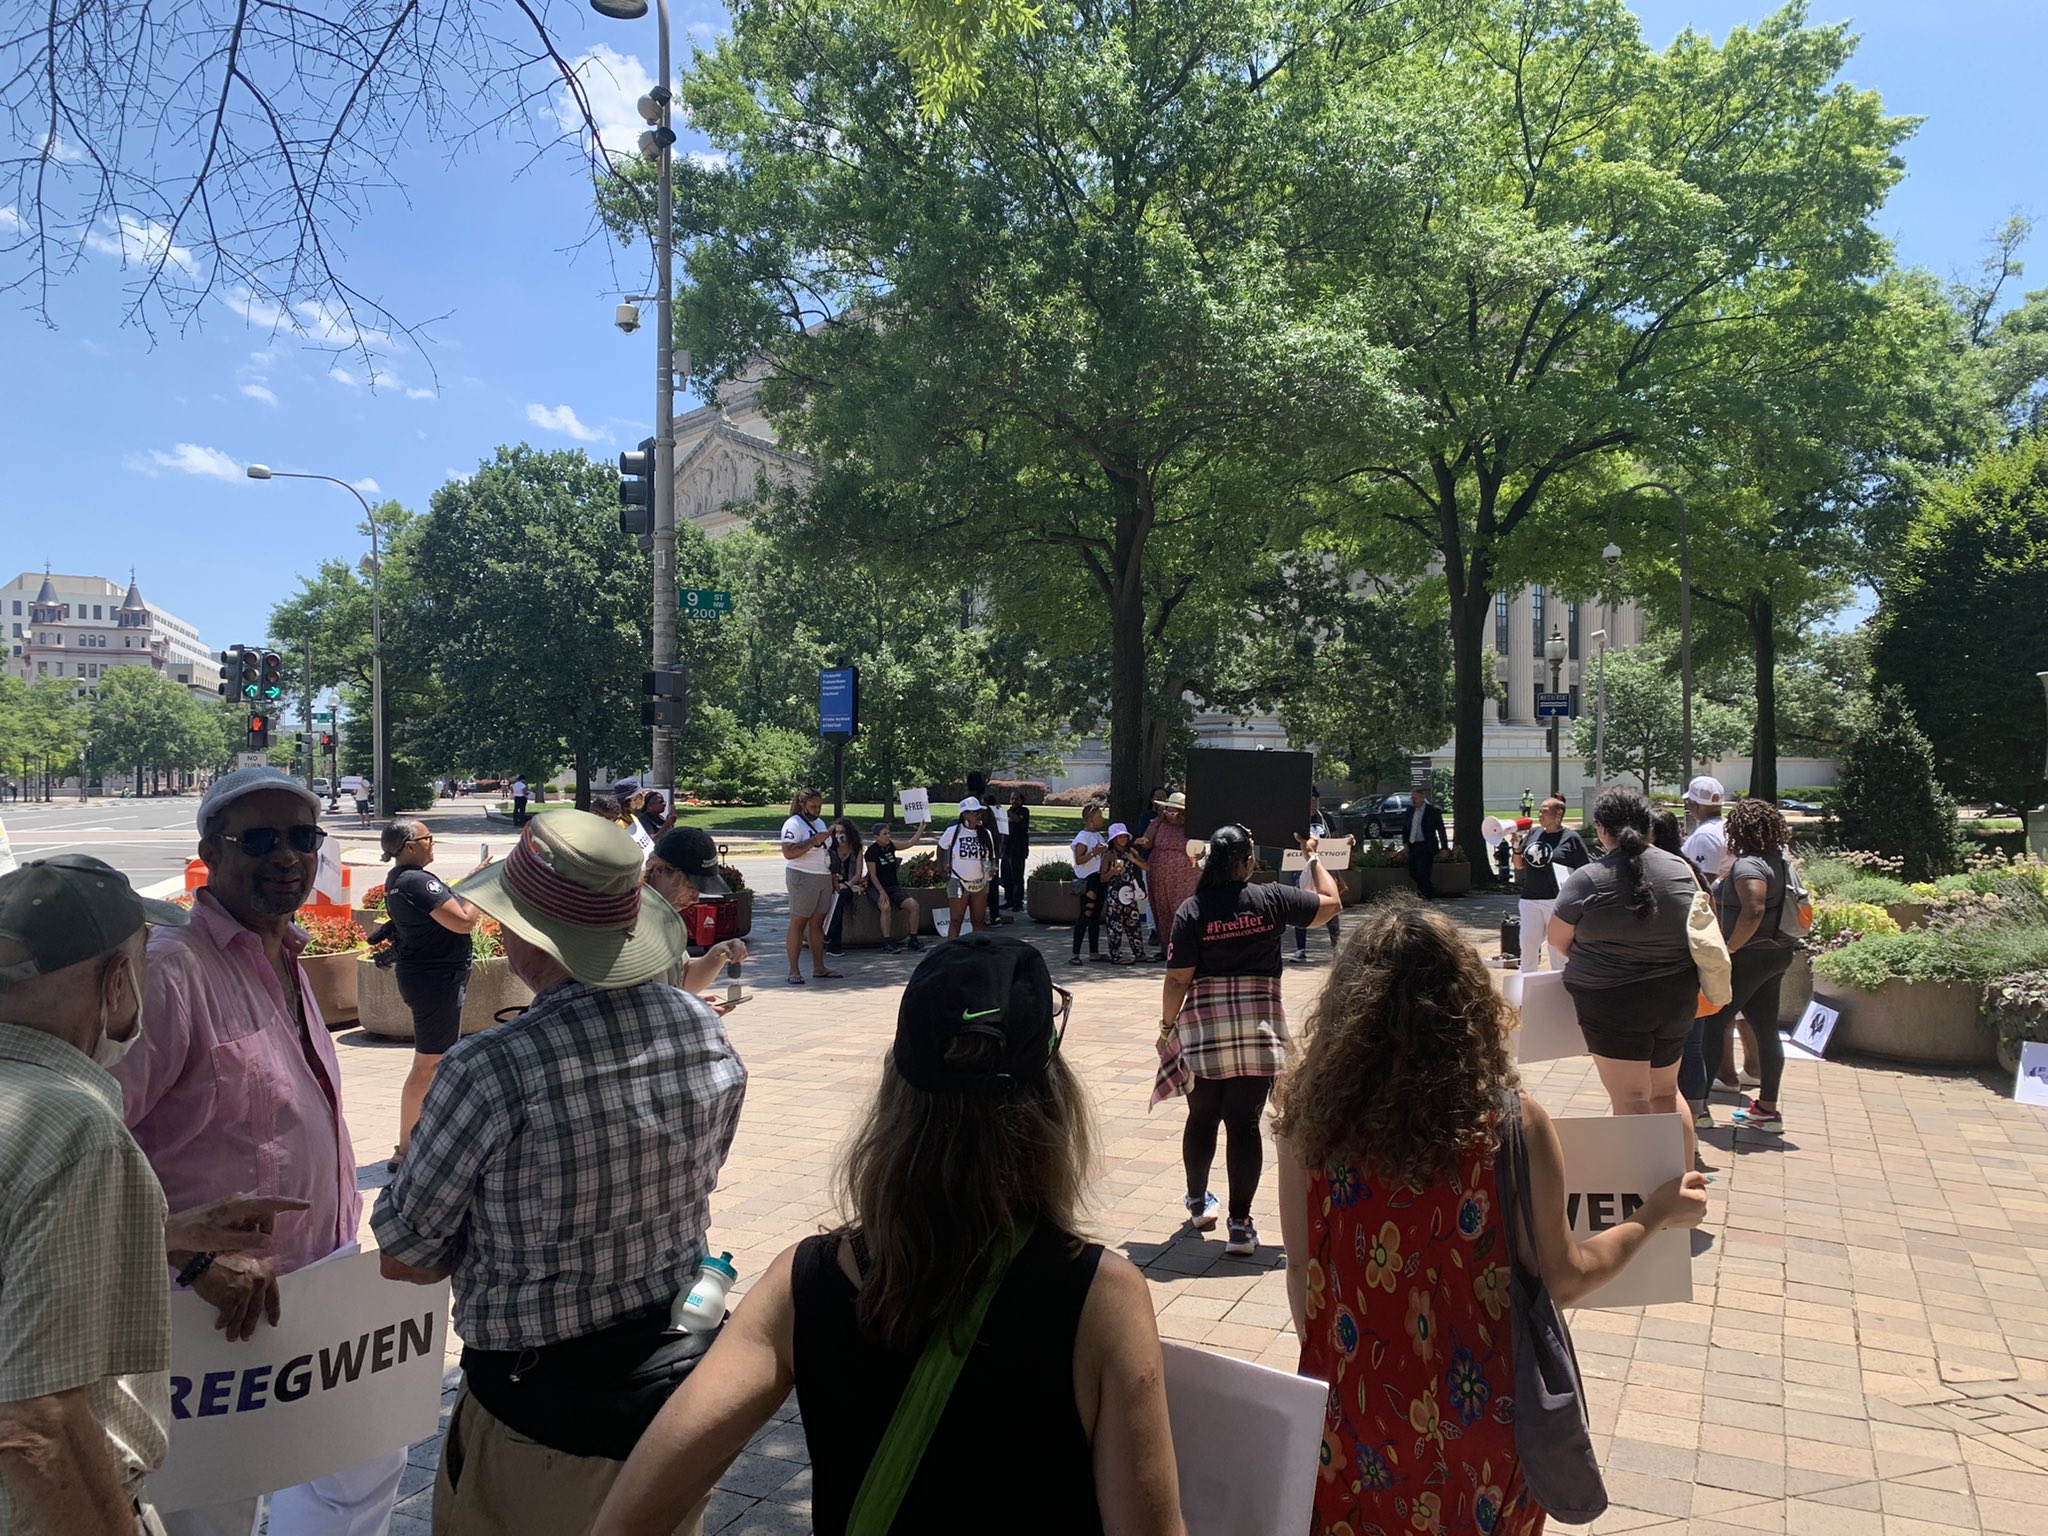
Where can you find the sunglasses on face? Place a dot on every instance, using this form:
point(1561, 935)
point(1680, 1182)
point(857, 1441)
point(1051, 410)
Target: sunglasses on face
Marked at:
point(1066, 1006)
point(261, 842)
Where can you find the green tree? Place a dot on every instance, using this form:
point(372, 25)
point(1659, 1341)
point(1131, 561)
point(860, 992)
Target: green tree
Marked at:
point(143, 720)
point(41, 725)
point(1823, 688)
point(1889, 798)
point(1578, 247)
point(535, 613)
point(1645, 720)
point(1964, 624)
point(1050, 344)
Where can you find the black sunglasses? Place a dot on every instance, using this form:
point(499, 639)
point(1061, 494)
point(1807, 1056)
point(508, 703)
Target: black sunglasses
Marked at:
point(261, 842)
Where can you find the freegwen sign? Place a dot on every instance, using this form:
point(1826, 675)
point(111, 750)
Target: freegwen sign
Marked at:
point(351, 1371)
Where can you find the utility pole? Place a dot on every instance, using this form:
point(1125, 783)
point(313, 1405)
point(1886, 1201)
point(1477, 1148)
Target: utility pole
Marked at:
point(312, 736)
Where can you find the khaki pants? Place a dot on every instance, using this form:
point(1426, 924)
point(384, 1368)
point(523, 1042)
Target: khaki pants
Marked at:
point(494, 1481)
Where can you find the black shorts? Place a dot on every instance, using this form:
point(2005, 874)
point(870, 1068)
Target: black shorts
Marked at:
point(436, 1004)
point(1644, 1020)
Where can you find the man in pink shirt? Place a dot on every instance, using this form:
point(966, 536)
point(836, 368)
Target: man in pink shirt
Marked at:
point(234, 1086)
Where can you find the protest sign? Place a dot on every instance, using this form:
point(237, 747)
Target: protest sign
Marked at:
point(1335, 851)
point(1814, 1029)
point(1611, 1163)
point(917, 805)
point(7, 860)
point(1002, 819)
point(351, 1371)
point(1550, 1025)
point(1246, 1441)
point(2030, 1086)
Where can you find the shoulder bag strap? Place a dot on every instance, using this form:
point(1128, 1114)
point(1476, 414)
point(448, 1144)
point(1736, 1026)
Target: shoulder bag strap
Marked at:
point(1520, 1210)
point(924, 1401)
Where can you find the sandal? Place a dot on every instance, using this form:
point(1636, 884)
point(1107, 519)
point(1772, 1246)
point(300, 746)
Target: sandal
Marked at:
point(796, 981)
point(832, 975)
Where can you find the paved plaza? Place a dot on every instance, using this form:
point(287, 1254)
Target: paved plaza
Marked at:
point(1866, 1351)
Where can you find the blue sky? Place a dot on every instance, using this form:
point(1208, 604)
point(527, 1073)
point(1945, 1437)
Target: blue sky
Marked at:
point(122, 452)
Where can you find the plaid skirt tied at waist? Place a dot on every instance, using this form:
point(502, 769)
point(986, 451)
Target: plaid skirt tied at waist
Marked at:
point(1230, 1026)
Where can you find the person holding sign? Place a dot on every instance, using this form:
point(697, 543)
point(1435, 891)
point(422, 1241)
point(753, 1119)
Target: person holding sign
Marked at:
point(1536, 855)
point(1319, 827)
point(928, 1354)
point(1400, 1274)
point(885, 885)
point(808, 869)
point(967, 859)
point(1223, 1032)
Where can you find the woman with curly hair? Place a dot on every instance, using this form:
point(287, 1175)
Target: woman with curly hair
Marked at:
point(1750, 901)
point(1398, 1265)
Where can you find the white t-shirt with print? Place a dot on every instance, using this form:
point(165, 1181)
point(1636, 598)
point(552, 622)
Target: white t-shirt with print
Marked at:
point(1708, 848)
point(969, 851)
point(801, 829)
point(519, 789)
point(1092, 844)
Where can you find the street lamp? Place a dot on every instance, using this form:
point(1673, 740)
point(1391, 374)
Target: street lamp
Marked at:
point(379, 767)
point(657, 144)
point(1554, 652)
point(1613, 556)
point(1600, 716)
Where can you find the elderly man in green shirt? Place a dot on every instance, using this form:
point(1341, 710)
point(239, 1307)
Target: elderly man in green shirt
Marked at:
point(85, 1326)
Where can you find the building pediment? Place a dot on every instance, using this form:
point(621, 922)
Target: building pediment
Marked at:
point(720, 477)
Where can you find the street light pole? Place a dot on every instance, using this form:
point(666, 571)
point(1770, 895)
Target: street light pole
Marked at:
point(657, 145)
point(379, 767)
point(1684, 613)
point(1600, 716)
point(1554, 652)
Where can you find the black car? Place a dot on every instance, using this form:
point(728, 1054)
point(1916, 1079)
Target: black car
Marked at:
point(1377, 816)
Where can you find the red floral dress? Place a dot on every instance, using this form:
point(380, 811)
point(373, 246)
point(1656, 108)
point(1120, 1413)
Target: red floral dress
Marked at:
point(1408, 1322)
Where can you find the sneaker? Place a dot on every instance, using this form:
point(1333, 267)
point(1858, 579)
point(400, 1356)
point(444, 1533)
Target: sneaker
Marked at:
point(1703, 1119)
point(1202, 1212)
point(831, 951)
point(1755, 1117)
point(892, 948)
point(1301, 957)
point(1075, 961)
point(914, 947)
point(1244, 1238)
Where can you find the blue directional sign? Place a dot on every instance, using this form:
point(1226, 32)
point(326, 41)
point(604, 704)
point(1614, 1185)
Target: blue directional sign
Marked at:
point(839, 701)
point(1553, 706)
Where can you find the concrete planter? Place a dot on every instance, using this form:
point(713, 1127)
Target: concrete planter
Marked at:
point(1922, 1023)
point(1795, 991)
point(366, 918)
point(333, 980)
point(1448, 879)
point(1451, 879)
point(745, 900)
point(492, 986)
point(863, 926)
point(1052, 901)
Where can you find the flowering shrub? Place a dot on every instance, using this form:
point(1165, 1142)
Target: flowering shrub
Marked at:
point(330, 935)
point(2017, 1007)
point(1080, 794)
point(1836, 923)
point(485, 941)
point(921, 871)
point(183, 899)
point(373, 899)
point(1379, 855)
point(1054, 869)
point(730, 873)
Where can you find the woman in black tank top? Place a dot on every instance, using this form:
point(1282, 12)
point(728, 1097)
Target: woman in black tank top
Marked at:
point(978, 1132)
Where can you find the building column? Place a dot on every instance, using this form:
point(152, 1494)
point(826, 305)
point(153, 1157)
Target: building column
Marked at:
point(1521, 658)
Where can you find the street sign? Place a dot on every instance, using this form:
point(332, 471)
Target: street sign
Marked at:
point(1421, 770)
point(839, 701)
point(323, 717)
point(1553, 706)
point(704, 603)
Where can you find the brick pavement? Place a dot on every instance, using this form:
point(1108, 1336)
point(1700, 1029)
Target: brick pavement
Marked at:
point(1867, 1348)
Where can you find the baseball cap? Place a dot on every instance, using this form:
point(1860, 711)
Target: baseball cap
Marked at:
point(970, 804)
point(230, 787)
point(70, 908)
point(1705, 791)
point(987, 985)
point(691, 850)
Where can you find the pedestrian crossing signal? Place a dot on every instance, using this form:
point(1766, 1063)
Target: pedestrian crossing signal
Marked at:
point(259, 732)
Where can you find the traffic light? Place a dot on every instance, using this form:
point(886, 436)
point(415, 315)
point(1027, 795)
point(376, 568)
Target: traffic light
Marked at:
point(667, 701)
point(303, 746)
point(231, 672)
point(251, 674)
point(636, 490)
point(259, 732)
point(327, 741)
point(273, 677)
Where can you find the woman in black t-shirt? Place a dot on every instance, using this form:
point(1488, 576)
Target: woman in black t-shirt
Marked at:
point(1750, 901)
point(885, 884)
point(431, 926)
point(1223, 1034)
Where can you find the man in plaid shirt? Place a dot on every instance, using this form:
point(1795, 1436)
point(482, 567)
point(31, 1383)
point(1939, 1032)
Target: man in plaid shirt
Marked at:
point(561, 1174)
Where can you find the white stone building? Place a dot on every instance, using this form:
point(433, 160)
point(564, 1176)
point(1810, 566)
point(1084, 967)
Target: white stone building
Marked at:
point(77, 627)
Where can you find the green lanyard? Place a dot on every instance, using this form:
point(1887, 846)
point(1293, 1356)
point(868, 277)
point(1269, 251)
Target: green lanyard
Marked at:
point(924, 1402)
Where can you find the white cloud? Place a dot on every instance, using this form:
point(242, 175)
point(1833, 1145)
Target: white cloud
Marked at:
point(562, 419)
point(414, 393)
point(344, 377)
point(705, 29)
point(257, 311)
point(186, 459)
point(459, 476)
point(60, 151)
point(141, 240)
point(11, 222)
point(335, 326)
point(260, 392)
point(709, 159)
point(368, 486)
point(613, 83)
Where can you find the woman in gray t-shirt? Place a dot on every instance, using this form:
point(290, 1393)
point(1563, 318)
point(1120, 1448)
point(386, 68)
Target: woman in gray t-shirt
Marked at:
point(1620, 927)
point(1750, 901)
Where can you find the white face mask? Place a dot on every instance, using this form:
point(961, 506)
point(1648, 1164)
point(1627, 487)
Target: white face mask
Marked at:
point(109, 1051)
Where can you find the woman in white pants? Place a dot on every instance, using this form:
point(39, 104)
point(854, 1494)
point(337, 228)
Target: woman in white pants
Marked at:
point(1536, 854)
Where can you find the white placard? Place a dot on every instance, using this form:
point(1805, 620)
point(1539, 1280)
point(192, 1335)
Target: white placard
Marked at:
point(1002, 819)
point(1336, 853)
point(327, 880)
point(1815, 1028)
point(1550, 1024)
point(1246, 1441)
point(1611, 1163)
point(917, 805)
point(8, 863)
point(351, 1371)
point(2030, 1086)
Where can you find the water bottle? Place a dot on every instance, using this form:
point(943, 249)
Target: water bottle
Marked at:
point(702, 1308)
point(734, 991)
